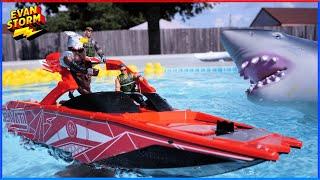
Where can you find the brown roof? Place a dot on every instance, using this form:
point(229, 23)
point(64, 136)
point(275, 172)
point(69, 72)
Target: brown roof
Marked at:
point(293, 15)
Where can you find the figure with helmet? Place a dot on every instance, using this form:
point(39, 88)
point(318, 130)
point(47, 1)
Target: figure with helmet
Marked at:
point(75, 60)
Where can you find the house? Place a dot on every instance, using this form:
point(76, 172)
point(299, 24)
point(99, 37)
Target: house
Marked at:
point(164, 24)
point(285, 17)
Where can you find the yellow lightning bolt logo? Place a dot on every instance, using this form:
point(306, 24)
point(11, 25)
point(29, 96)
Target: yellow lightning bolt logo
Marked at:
point(26, 32)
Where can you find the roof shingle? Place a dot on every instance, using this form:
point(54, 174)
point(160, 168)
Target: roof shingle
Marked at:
point(293, 15)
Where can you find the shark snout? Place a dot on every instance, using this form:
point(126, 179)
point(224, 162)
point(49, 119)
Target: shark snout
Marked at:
point(238, 42)
point(230, 40)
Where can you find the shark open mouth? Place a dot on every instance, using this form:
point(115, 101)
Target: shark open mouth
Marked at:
point(274, 78)
point(262, 70)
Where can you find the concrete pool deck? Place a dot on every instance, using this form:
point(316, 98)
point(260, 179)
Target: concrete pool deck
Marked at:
point(168, 61)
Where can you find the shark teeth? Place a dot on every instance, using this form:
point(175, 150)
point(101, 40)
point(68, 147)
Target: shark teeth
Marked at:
point(251, 88)
point(244, 64)
point(255, 60)
point(274, 78)
point(267, 80)
point(265, 58)
point(281, 74)
point(274, 59)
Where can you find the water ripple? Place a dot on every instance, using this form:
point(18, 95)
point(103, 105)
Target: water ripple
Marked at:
point(221, 94)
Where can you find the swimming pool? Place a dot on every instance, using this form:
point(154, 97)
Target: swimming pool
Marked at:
point(218, 91)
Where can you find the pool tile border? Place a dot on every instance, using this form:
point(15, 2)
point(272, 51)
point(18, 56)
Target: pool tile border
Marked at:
point(203, 69)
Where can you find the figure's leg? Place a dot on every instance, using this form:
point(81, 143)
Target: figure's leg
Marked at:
point(79, 78)
point(86, 79)
point(84, 84)
point(87, 83)
point(67, 84)
point(139, 99)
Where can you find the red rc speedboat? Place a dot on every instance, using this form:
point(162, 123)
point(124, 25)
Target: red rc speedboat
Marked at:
point(110, 130)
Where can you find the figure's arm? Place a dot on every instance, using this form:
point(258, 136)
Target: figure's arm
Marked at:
point(137, 76)
point(117, 85)
point(75, 67)
point(98, 49)
point(68, 60)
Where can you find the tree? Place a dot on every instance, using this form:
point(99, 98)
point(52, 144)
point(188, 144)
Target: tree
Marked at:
point(153, 12)
point(102, 16)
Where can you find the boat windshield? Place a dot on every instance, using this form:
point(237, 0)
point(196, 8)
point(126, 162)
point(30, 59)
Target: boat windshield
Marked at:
point(116, 102)
point(157, 103)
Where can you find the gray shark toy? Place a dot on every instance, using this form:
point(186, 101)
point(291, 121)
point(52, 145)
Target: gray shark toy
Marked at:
point(282, 69)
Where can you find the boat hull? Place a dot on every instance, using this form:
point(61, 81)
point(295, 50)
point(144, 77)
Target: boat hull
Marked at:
point(156, 143)
point(90, 140)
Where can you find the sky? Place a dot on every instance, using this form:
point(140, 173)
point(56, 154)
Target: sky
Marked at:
point(241, 14)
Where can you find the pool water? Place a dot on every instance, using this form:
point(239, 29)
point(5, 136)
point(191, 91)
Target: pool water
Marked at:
point(217, 93)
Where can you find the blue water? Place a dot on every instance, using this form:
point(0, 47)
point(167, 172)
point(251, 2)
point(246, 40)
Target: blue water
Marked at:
point(218, 93)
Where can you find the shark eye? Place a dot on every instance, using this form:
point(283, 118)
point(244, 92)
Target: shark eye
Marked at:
point(277, 35)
